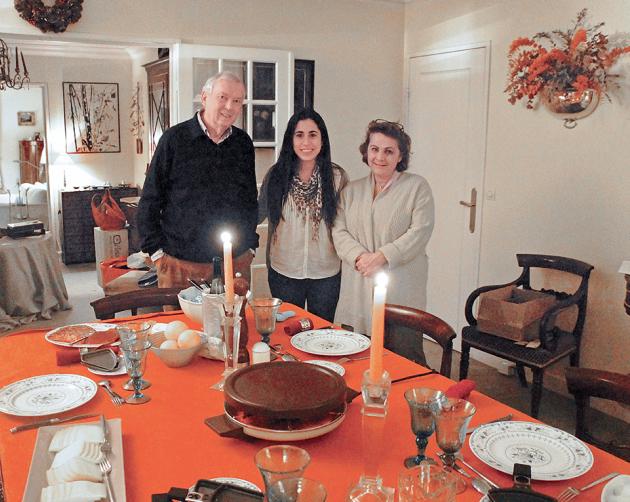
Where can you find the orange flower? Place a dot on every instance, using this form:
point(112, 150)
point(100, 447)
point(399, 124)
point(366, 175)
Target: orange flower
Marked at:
point(578, 38)
point(613, 55)
point(581, 84)
point(520, 42)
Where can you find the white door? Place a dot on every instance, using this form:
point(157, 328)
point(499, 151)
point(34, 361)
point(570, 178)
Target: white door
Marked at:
point(268, 104)
point(446, 119)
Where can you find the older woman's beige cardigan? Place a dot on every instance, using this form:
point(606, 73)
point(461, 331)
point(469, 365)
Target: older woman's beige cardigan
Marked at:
point(399, 223)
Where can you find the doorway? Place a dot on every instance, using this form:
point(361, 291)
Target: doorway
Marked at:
point(24, 193)
point(446, 119)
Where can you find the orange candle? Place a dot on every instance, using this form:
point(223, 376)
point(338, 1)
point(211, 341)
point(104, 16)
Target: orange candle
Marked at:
point(378, 327)
point(227, 267)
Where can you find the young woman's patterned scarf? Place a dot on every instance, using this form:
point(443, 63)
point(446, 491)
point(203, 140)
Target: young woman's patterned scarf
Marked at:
point(308, 195)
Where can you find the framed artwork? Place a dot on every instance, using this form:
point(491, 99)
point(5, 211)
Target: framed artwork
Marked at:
point(304, 84)
point(91, 117)
point(26, 118)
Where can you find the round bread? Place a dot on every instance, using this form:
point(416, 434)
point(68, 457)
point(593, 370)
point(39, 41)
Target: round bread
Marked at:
point(70, 334)
point(287, 390)
point(103, 337)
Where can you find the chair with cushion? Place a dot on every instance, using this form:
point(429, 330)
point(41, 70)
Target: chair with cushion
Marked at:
point(423, 323)
point(106, 308)
point(555, 343)
point(584, 383)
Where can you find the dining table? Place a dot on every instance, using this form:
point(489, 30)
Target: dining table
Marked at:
point(166, 442)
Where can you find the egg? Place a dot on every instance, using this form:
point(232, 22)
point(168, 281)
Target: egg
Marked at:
point(173, 329)
point(188, 339)
point(169, 345)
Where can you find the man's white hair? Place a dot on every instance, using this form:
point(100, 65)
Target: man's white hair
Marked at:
point(222, 75)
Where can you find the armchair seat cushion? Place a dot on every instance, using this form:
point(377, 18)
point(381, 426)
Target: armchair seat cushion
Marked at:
point(507, 349)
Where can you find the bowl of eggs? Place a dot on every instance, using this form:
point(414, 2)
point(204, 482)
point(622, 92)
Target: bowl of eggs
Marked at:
point(190, 302)
point(177, 345)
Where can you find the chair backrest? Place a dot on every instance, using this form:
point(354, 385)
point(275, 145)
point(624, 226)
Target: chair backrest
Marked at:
point(107, 307)
point(584, 383)
point(425, 324)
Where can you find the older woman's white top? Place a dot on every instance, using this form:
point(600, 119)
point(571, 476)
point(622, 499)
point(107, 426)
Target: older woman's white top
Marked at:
point(399, 223)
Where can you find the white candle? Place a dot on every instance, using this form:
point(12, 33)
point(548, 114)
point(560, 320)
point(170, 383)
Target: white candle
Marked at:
point(227, 267)
point(378, 327)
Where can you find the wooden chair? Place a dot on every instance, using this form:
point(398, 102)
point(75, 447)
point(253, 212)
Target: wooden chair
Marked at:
point(107, 307)
point(424, 324)
point(556, 344)
point(584, 383)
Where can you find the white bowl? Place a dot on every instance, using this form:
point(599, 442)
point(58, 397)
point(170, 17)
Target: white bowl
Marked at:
point(175, 358)
point(190, 302)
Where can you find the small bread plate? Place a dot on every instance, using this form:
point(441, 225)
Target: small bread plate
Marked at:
point(97, 327)
point(330, 342)
point(46, 395)
point(617, 489)
point(324, 426)
point(337, 368)
point(42, 460)
point(553, 454)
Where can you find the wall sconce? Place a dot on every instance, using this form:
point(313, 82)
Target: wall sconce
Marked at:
point(18, 80)
point(63, 161)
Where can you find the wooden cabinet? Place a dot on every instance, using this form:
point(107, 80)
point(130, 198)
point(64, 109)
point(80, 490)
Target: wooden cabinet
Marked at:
point(77, 224)
point(157, 83)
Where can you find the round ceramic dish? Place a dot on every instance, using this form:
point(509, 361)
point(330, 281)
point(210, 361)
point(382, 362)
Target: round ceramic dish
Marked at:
point(78, 345)
point(330, 342)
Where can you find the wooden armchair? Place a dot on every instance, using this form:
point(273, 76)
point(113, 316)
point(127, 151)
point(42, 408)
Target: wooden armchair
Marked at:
point(107, 307)
point(584, 383)
point(555, 344)
point(424, 324)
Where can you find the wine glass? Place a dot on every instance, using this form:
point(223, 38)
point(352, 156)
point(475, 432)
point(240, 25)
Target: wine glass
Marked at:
point(451, 421)
point(297, 490)
point(265, 310)
point(423, 404)
point(135, 354)
point(281, 461)
point(135, 331)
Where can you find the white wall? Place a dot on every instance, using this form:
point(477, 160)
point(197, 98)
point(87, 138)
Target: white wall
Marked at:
point(558, 191)
point(357, 47)
point(12, 102)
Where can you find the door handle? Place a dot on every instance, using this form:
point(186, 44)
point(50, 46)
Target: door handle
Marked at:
point(472, 205)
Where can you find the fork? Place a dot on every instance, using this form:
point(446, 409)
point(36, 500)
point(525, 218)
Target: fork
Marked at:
point(343, 360)
point(106, 468)
point(570, 493)
point(116, 398)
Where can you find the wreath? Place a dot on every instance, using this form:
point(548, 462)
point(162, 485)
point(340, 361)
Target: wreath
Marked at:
point(55, 18)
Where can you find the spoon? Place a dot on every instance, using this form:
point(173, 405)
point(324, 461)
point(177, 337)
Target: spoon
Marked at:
point(478, 484)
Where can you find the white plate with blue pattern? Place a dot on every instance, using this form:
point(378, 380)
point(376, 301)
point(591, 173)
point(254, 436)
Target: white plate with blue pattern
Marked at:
point(330, 342)
point(553, 454)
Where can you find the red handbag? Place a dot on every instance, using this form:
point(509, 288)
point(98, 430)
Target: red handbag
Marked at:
point(107, 213)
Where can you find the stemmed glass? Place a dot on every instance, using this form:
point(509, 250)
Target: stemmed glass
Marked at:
point(280, 462)
point(135, 354)
point(297, 490)
point(231, 338)
point(451, 421)
point(265, 310)
point(423, 404)
point(135, 332)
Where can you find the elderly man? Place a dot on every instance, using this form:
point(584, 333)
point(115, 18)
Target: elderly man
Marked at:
point(201, 182)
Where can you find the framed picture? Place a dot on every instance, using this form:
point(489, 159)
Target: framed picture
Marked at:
point(26, 118)
point(304, 84)
point(91, 117)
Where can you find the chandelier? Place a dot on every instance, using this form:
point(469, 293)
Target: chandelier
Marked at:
point(18, 79)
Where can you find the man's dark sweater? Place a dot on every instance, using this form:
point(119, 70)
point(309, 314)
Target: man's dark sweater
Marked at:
point(195, 189)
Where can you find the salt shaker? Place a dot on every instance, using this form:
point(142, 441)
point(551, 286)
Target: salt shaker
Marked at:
point(261, 353)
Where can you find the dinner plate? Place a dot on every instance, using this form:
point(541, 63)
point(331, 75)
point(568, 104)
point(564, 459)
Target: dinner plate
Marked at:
point(42, 460)
point(46, 395)
point(337, 368)
point(617, 489)
point(292, 435)
point(96, 326)
point(330, 342)
point(553, 454)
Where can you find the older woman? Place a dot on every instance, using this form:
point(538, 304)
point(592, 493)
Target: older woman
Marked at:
point(299, 196)
point(384, 223)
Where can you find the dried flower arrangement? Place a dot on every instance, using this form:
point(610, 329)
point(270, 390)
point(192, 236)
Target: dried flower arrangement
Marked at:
point(574, 60)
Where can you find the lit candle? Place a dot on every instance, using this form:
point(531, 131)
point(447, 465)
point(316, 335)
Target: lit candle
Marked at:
point(378, 327)
point(227, 267)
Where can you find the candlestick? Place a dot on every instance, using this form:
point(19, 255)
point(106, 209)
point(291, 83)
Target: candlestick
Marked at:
point(227, 267)
point(17, 62)
point(378, 327)
point(24, 64)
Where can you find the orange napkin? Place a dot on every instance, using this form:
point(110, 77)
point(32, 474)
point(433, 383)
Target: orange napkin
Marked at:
point(295, 326)
point(461, 390)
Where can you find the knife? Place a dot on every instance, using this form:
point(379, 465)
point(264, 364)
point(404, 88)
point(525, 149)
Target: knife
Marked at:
point(432, 372)
point(50, 421)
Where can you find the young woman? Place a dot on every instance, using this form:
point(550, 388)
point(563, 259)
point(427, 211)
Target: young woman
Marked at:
point(299, 196)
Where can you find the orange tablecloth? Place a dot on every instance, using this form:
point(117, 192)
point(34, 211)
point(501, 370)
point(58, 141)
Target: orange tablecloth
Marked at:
point(166, 442)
